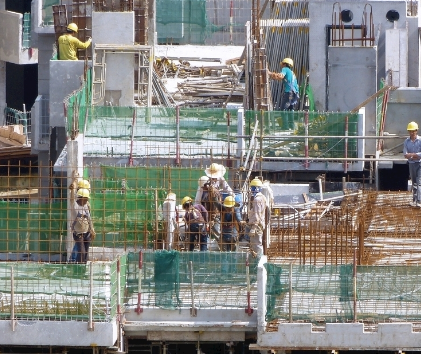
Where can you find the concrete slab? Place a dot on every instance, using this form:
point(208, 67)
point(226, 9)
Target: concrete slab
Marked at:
point(58, 333)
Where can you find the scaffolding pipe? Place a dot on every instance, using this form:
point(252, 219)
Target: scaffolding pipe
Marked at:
point(306, 163)
point(91, 295)
point(355, 284)
point(119, 321)
point(12, 298)
point(248, 310)
point(177, 139)
point(139, 309)
point(351, 159)
point(290, 293)
point(346, 145)
point(193, 310)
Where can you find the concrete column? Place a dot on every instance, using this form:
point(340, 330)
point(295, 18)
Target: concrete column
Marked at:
point(2, 90)
point(74, 169)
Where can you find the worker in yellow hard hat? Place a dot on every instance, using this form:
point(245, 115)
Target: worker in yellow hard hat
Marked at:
point(81, 225)
point(412, 152)
point(256, 215)
point(196, 219)
point(231, 222)
point(68, 44)
point(291, 91)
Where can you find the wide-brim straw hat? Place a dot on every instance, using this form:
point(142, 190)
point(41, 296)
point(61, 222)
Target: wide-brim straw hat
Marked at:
point(215, 171)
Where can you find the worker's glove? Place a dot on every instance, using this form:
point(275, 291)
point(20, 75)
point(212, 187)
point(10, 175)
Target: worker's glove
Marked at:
point(90, 39)
point(243, 223)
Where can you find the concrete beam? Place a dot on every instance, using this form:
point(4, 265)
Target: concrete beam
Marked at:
point(58, 333)
point(340, 336)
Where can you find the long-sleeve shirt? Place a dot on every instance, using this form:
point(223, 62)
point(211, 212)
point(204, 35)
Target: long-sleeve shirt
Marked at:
point(228, 217)
point(68, 46)
point(256, 212)
point(413, 147)
point(196, 214)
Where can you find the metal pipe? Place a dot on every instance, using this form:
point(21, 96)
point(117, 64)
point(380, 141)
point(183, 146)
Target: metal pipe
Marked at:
point(248, 310)
point(139, 309)
point(351, 159)
point(91, 295)
point(290, 293)
point(193, 310)
point(306, 163)
point(177, 142)
point(294, 137)
point(320, 189)
point(355, 284)
point(346, 145)
point(12, 298)
point(119, 320)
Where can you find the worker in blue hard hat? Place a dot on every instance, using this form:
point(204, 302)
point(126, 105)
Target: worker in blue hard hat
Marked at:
point(68, 44)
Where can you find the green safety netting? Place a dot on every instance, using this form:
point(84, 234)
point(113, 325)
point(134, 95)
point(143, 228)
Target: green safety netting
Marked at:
point(166, 273)
point(77, 105)
point(61, 291)
point(325, 294)
point(180, 180)
point(32, 227)
point(282, 130)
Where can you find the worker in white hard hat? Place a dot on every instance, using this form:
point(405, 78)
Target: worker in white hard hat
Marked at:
point(291, 91)
point(412, 152)
point(256, 222)
point(68, 44)
point(215, 173)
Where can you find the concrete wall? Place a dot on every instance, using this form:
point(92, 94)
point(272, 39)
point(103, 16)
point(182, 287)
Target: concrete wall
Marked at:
point(11, 40)
point(68, 77)
point(403, 107)
point(321, 15)
point(119, 80)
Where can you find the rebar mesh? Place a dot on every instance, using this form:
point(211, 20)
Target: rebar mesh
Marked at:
point(59, 292)
point(325, 294)
point(219, 279)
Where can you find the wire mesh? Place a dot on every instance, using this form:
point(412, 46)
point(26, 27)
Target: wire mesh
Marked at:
point(59, 292)
point(325, 294)
point(217, 280)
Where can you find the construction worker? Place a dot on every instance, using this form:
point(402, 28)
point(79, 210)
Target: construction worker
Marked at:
point(287, 76)
point(412, 152)
point(68, 44)
point(215, 173)
point(231, 222)
point(82, 225)
point(81, 183)
point(256, 216)
point(196, 219)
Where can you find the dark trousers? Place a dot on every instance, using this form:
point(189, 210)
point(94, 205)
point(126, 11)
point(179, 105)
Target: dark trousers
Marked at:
point(415, 173)
point(82, 243)
point(289, 100)
point(198, 231)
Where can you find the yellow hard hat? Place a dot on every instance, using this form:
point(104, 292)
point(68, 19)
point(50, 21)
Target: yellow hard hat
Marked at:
point(83, 193)
point(229, 201)
point(186, 200)
point(412, 126)
point(256, 183)
point(83, 183)
point(203, 180)
point(72, 27)
point(288, 61)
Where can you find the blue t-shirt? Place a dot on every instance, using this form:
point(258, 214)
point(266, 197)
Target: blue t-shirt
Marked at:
point(289, 79)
